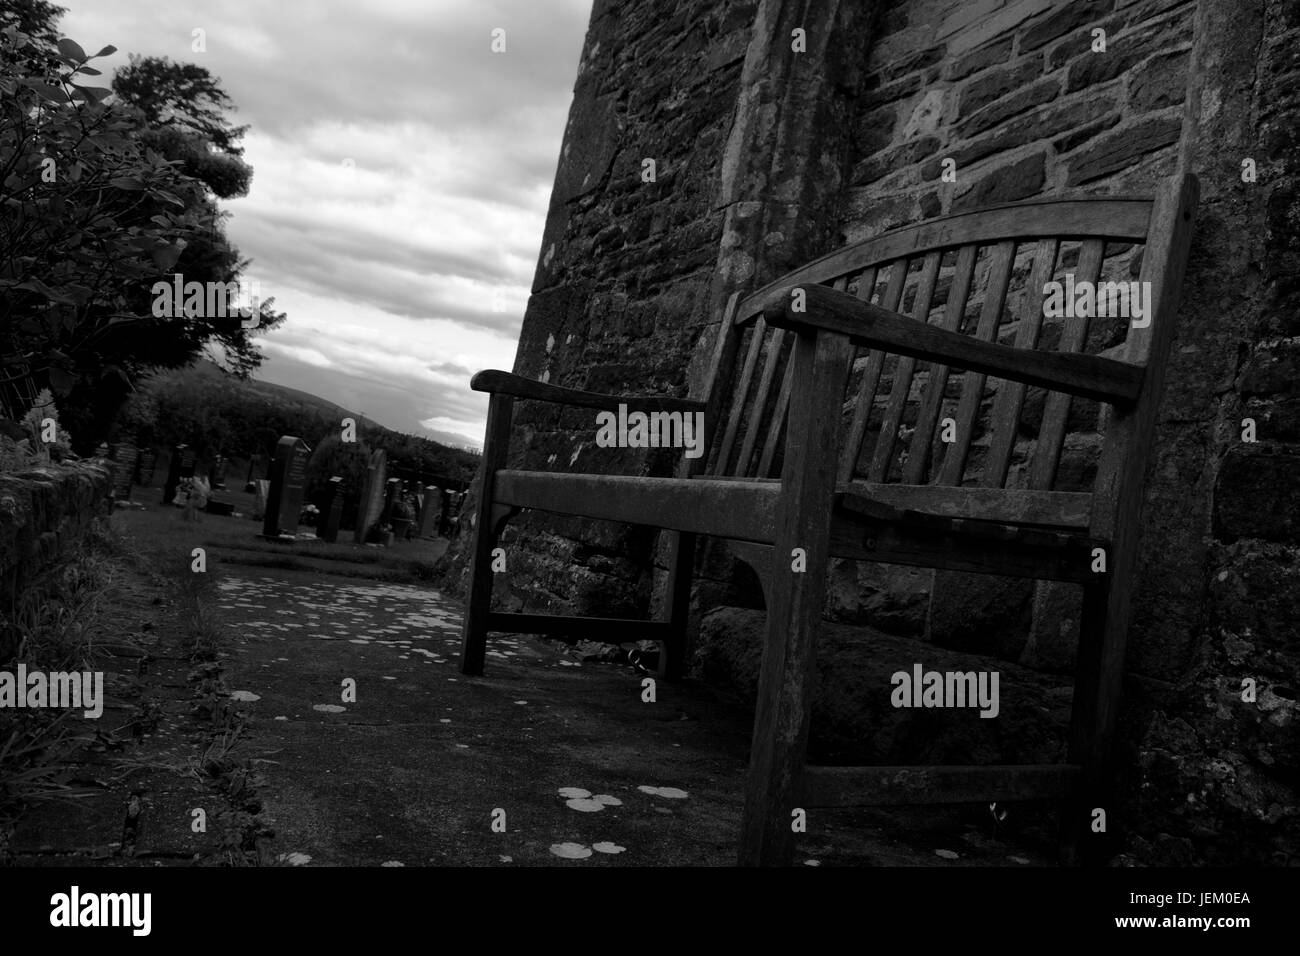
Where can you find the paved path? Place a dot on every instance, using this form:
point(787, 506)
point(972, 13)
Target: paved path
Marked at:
point(413, 771)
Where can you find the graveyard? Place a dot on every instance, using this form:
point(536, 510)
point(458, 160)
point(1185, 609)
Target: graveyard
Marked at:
point(301, 701)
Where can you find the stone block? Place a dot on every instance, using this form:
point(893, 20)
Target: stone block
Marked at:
point(1257, 495)
point(1056, 23)
point(980, 614)
point(1122, 148)
point(996, 84)
point(991, 54)
point(1017, 180)
point(1160, 82)
point(1011, 14)
point(1026, 98)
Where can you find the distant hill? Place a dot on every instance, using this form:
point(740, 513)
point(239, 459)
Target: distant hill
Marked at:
point(217, 414)
point(204, 369)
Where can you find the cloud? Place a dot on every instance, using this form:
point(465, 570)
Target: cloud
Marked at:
point(402, 172)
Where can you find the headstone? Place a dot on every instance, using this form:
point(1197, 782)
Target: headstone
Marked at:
point(125, 460)
point(444, 514)
point(217, 474)
point(430, 508)
point(288, 477)
point(392, 489)
point(182, 466)
point(333, 510)
point(372, 495)
point(261, 491)
point(144, 472)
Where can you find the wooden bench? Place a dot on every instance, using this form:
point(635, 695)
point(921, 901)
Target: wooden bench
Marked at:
point(790, 402)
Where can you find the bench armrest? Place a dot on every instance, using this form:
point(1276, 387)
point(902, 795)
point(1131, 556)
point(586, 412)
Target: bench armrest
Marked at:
point(1091, 376)
point(507, 383)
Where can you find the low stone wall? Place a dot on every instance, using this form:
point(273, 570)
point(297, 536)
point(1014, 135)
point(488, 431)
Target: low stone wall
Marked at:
point(45, 512)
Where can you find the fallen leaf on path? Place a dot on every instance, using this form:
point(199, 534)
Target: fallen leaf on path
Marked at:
point(608, 847)
point(584, 805)
point(570, 851)
point(946, 854)
point(572, 792)
point(244, 695)
point(329, 708)
point(672, 793)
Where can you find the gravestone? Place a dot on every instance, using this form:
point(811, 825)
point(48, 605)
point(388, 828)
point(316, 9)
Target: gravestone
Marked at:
point(372, 495)
point(145, 467)
point(181, 466)
point(217, 474)
point(430, 509)
point(444, 514)
point(288, 477)
point(333, 510)
point(125, 460)
point(261, 491)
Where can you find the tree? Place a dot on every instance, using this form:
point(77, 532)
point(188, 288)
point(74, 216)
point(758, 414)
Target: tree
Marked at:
point(94, 212)
point(182, 96)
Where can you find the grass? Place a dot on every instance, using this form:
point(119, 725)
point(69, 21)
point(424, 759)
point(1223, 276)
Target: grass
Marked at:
point(58, 622)
point(235, 540)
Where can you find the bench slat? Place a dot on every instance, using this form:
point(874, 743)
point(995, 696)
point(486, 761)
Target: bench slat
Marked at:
point(738, 402)
point(883, 453)
point(1121, 220)
point(508, 383)
point(1051, 434)
point(876, 786)
point(1004, 425)
point(1056, 509)
point(999, 277)
point(1090, 375)
point(889, 299)
point(729, 509)
point(927, 415)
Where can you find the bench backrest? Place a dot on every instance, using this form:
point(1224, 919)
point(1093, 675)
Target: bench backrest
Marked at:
point(979, 273)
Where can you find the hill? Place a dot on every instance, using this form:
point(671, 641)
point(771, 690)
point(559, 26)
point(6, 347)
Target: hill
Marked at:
point(216, 414)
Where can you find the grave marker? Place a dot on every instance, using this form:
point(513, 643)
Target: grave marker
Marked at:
point(125, 459)
point(288, 477)
point(430, 508)
point(180, 467)
point(333, 510)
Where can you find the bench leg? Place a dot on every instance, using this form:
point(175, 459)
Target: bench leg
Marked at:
point(489, 520)
point(681, 567)
point(787, 678)
point(1098, 682)
point(473, 644)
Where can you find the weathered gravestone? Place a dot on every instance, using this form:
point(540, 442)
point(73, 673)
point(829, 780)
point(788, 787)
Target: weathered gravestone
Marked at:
point(145, 468)
point(444, 514)
point(430, 509)
point(332, 512)
point(288, 477)
point(181, 466)
point(372, 494)
point(125, 459)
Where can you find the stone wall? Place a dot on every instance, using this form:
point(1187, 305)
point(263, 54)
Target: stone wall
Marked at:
point(44, 514)
point(766, 159)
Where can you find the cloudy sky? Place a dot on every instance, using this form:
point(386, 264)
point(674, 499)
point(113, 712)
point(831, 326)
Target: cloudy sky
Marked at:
point(401, 172)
